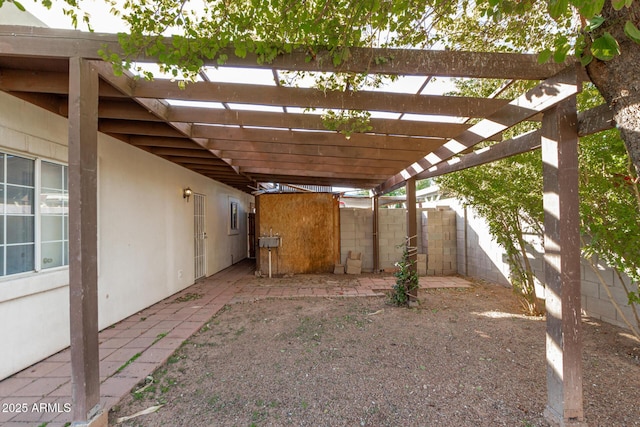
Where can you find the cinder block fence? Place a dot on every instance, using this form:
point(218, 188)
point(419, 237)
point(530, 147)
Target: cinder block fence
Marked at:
point(436, 238)
point(452, 240)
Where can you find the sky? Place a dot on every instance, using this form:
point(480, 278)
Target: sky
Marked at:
point(101, 20)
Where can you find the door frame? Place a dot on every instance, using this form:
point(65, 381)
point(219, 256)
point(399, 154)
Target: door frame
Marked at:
point(199, 236)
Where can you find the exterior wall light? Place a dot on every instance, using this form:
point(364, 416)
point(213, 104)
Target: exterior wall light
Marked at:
point(186, 193)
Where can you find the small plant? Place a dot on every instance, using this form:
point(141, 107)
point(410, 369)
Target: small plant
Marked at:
point(406, 285)
point(175, 358)
point(188, 297)
point(128, 362)
point(159, 337)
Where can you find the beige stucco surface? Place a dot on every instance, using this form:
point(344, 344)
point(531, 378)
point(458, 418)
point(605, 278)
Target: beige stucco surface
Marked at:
point(145, 236)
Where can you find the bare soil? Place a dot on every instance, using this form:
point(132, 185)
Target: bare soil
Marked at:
point(464, 357)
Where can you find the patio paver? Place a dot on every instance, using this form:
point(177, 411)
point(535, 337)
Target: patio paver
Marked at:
point(145, 340)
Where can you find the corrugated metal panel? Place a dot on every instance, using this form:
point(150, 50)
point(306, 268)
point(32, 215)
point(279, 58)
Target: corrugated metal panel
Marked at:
point(284, 188)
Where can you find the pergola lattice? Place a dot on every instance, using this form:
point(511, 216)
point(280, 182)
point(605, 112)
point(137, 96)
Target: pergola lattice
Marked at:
point(60, 71)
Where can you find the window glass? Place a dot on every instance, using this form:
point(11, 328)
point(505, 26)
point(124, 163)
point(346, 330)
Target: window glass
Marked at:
point(51, 176)
point(233, 216)
point(19, 258)
point(19, 200)
point(53, 202)
point(19, 229)
point(54, 211)
point(52, 254)
point(52, 227)
point(20, 170)
point(1, 214)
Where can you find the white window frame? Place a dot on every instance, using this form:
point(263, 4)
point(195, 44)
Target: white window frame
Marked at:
point(230, 218)
point(38, 227)
point(37, 230)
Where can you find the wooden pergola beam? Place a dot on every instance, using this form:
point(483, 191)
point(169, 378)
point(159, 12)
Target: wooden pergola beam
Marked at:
point(275, 149)
point(241, 158)
point(55, 43)
point(306, 172)
point(182, 152)
point(314, 180)
point(146, 129)
point(590, 121)
point(308, 121)
point(457, 106)
point(158, 107)
point(51, 82)
point(518, 145)
point(317, 138)
point(126, 110)
point(167, 142)
point(595, 120)
point(543, 96)
point(363, 171)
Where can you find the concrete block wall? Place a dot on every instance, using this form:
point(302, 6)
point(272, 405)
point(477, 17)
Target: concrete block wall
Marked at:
point(393, 232)
point(356, 234)
point(422, 227)
point(595, 299)
point(441, 242)
point(480, 256)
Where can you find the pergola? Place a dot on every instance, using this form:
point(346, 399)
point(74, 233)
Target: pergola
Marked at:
point(61, 71)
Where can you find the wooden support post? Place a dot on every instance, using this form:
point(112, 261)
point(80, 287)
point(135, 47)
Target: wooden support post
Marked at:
point(83, 260)
point(412, 228)
point(562, 265)
point(258, 234)
point(376, 234)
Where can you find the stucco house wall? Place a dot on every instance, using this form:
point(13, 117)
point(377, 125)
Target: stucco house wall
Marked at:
point(145, 236)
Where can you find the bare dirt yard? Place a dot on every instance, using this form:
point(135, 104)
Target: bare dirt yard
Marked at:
point(465, 357)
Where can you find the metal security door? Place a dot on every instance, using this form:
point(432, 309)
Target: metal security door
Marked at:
point(200, 235)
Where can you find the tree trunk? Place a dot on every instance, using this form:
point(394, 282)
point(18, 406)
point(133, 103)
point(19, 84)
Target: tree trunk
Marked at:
point(618, 80)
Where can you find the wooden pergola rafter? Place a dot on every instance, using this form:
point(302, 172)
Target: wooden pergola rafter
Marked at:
point(61, 71)
point(246, 147)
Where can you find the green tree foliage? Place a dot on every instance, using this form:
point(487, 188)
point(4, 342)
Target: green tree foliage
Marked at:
point(610, 211)
point(604, 34)
point(269, 28)
point(508, 195)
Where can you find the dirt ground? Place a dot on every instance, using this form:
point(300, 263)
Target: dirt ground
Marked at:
point(465, 357)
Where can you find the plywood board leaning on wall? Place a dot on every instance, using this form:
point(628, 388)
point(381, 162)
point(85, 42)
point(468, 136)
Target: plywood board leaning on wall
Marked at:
point(309, 227)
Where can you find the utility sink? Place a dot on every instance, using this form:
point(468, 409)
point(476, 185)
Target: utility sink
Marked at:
point(269, 241)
